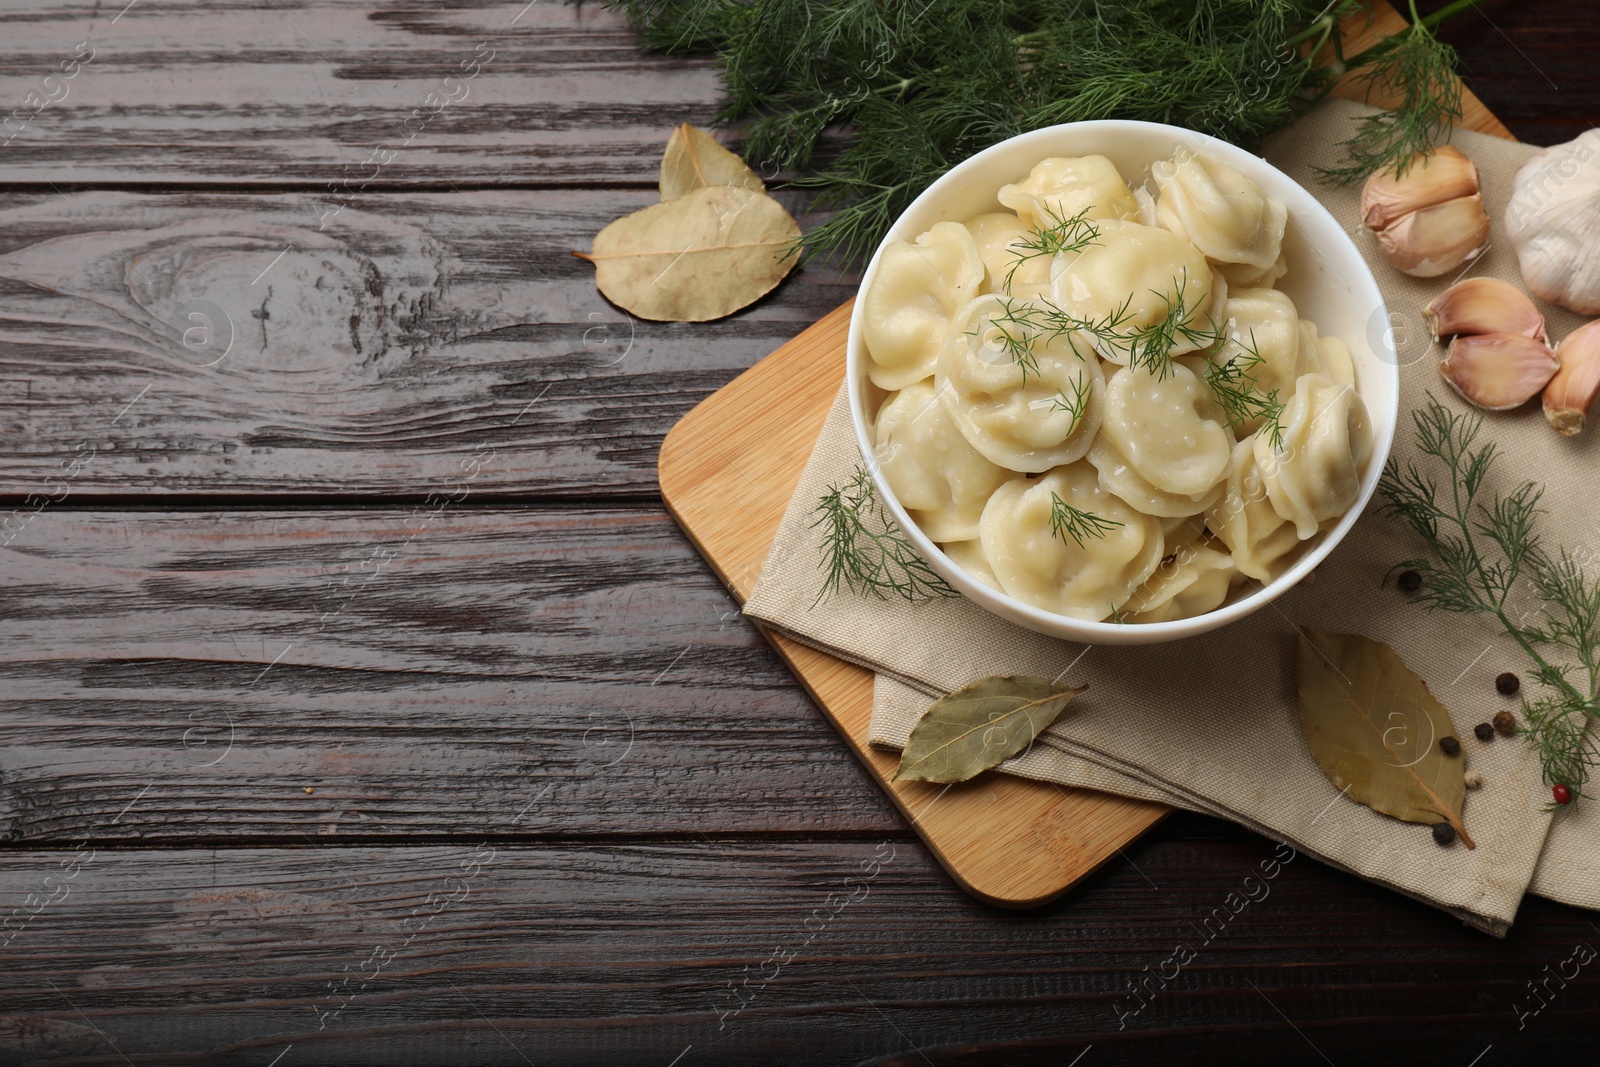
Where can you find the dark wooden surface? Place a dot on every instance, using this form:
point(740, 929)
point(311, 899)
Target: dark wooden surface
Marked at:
point(358, 701)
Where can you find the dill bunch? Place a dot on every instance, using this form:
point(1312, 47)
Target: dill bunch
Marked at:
point(863, 550)
point(1485, 549)
point(868, 101)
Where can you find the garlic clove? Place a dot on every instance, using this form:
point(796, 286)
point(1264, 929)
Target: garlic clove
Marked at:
point(1433, 240)
point(1444, 174)
point(1483, 305)
point(1498, 371)
point(1553, 223)
point(1570, 393)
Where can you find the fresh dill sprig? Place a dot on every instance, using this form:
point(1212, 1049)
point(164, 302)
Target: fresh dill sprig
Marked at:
point(868, 101)
point(863, 549)
point(1063, 235)
point(1484, 550)
point(1067, 521)
point(1233, 384)
point(1076, 405)
point(1419, 69)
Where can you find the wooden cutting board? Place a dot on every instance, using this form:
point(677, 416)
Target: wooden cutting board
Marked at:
point(727, 472)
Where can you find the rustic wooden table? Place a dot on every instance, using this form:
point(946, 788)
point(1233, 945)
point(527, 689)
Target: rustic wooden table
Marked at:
point(360, 703)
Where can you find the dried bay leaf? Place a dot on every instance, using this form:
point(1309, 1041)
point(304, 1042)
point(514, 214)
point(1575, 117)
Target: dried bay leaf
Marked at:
point(1373, 728)
point(980, 726)
point(699, 257)
point(694, 160)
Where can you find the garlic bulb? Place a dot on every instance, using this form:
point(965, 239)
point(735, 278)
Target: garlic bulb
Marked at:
point(1553, 222)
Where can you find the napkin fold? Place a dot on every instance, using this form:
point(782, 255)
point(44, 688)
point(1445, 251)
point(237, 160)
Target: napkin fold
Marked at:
point(1211, 723)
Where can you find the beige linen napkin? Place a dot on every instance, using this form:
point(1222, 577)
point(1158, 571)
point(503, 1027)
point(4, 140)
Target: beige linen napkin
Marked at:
point(1210, 723)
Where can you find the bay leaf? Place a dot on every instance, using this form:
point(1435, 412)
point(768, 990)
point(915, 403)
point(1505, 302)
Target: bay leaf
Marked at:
point(1373, 727)
point(694, 160)
point(699, 257)
point(980, 726)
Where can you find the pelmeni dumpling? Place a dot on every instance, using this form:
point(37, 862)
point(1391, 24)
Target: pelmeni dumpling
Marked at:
point(917, 289)
point(1053, 571)
point(939, 478)
point(1060, 187)
point(1194, 580)
point(1315, 475)
point(1118, 477)
point(1023, 418)
point(1168, 428)
point(1325, 355)
point(1263, 322)
point(1243, 519)
point(968, 555)
point(1137, 272)
point(1224, 213)
point(997, 235)
point(1245, 276)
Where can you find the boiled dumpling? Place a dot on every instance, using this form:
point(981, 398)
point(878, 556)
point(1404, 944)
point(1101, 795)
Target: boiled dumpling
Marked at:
point(1167, 428)
point(1263, 321)
point(1194, 580)
point(1118, 477)
point(1315, 475)
point(1053, 571)
point(916, 290)
point(968, 555)
point(935, 474)
point(1245, 276)
point(1025, 417)
point(1244, 520)
point(997, 235)
point(1059, 188)
point(1224, 213)
point(1325, 355)
point(1137, 275)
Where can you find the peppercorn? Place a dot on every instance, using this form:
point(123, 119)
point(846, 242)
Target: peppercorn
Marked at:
point(1508, 684)
point(1484, 731)
point(1505, 723)
point(1444, 833)
point(1472, 779)
point(1562, 794)
point(1449, 746)
point(1409, 581)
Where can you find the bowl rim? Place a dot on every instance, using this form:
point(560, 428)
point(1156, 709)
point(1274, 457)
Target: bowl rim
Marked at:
point(1383, 422)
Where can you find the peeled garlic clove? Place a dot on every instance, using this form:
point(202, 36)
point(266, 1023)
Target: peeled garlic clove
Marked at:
point(1498, 371)
point(1572, 390)
point(1483, 305)
point(1553, 222)
point(1433, 240)
point(1444, 174)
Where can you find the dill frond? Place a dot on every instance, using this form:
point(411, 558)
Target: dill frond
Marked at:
point(1063, 235)
point(1486, 550)
point(864, 551)
point(1076, 405)
point(1233, 385)
point(1067, 521)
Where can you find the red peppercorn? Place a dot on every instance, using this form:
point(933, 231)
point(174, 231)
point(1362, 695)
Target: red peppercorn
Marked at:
point(1563, 795)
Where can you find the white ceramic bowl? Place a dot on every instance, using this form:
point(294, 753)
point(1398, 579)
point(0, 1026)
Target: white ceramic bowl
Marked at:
point(1328, 281)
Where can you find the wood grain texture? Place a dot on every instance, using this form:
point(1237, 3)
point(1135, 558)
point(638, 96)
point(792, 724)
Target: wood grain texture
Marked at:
point(429, 671)
point(728, 471)
point(215, 344)
point(487, 953)
point(322, 91)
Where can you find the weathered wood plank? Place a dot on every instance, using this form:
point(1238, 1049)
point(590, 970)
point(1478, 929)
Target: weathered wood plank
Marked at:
point(324, 90)
point(608, 954)
point(207, 676)
point(213, 344)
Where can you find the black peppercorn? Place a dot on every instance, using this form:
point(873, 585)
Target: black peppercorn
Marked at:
point(1505, 723)
point(1484, 731)
point(1409, 581)
point(1444, 833)
point(1508, 684)
point(1449, 746)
